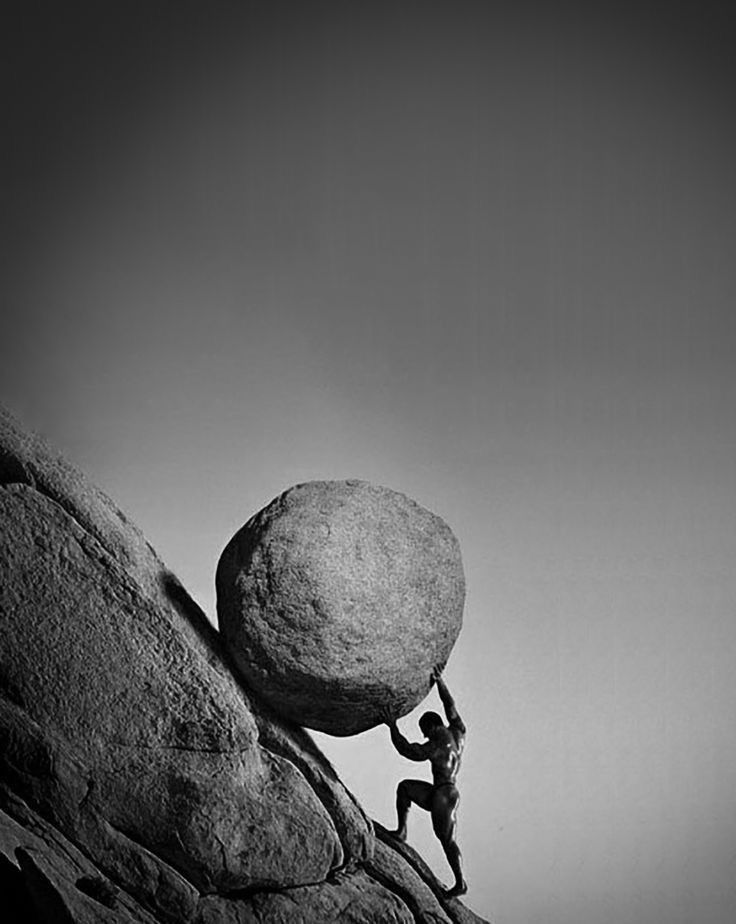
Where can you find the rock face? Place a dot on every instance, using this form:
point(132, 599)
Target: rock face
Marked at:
point(139, 782)
point(338, 599)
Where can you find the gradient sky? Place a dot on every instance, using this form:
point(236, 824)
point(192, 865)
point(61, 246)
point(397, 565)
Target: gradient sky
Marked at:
point(482, 253)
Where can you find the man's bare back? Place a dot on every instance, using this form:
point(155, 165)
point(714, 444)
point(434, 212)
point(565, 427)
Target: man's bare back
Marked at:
point(444, 751)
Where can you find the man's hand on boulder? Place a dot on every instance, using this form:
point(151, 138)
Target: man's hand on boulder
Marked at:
point(387, 716)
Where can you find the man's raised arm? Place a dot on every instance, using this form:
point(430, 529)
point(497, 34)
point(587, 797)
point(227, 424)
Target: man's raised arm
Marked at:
point(453, 717)
point(402, 744)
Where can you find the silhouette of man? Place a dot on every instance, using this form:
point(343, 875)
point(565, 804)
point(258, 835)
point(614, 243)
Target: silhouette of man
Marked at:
point(443, 749)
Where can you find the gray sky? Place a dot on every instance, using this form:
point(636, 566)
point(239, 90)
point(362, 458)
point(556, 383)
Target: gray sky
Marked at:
point(482, 254)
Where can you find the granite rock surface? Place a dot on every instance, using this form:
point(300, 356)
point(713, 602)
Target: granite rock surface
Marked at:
point(338, 599)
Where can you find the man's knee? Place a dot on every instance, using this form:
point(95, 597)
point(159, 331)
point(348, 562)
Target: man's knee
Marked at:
point(402, 794)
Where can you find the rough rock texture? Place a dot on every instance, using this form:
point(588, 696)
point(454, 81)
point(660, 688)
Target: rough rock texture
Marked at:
point(139, 782)
point(339, 598)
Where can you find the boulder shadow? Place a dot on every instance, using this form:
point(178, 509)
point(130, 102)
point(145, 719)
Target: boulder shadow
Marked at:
point(270, 723)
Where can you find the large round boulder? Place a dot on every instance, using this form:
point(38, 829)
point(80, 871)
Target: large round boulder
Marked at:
point(337, 600)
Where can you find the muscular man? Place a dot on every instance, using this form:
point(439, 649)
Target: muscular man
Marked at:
point(443, 749)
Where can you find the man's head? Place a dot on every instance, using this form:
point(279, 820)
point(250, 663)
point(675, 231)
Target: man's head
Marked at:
point(429, 722)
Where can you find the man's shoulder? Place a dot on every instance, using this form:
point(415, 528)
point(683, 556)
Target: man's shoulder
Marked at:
point(453, 735)
point(458, 734)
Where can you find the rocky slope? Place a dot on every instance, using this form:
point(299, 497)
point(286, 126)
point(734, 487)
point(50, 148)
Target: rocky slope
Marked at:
point(139, 780)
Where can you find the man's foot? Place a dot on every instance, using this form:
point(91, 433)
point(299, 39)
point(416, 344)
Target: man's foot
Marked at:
point(399, 834)
point(460, 888)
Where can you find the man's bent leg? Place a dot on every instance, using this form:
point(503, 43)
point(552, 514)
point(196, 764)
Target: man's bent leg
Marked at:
point(409, 791)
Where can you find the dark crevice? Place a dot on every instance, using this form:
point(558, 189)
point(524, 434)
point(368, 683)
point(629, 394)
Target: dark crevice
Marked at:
point(9, 688)
point(335, 878)
point(9, 804)
point(13, 471)
point(44, 893)
point(404, 896)
point(88, 792)
point(17, 905)
point(248, 892)
point(101, 890)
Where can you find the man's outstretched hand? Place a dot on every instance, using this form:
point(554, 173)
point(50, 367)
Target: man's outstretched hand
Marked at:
point(387, 716)
point(436, 674)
